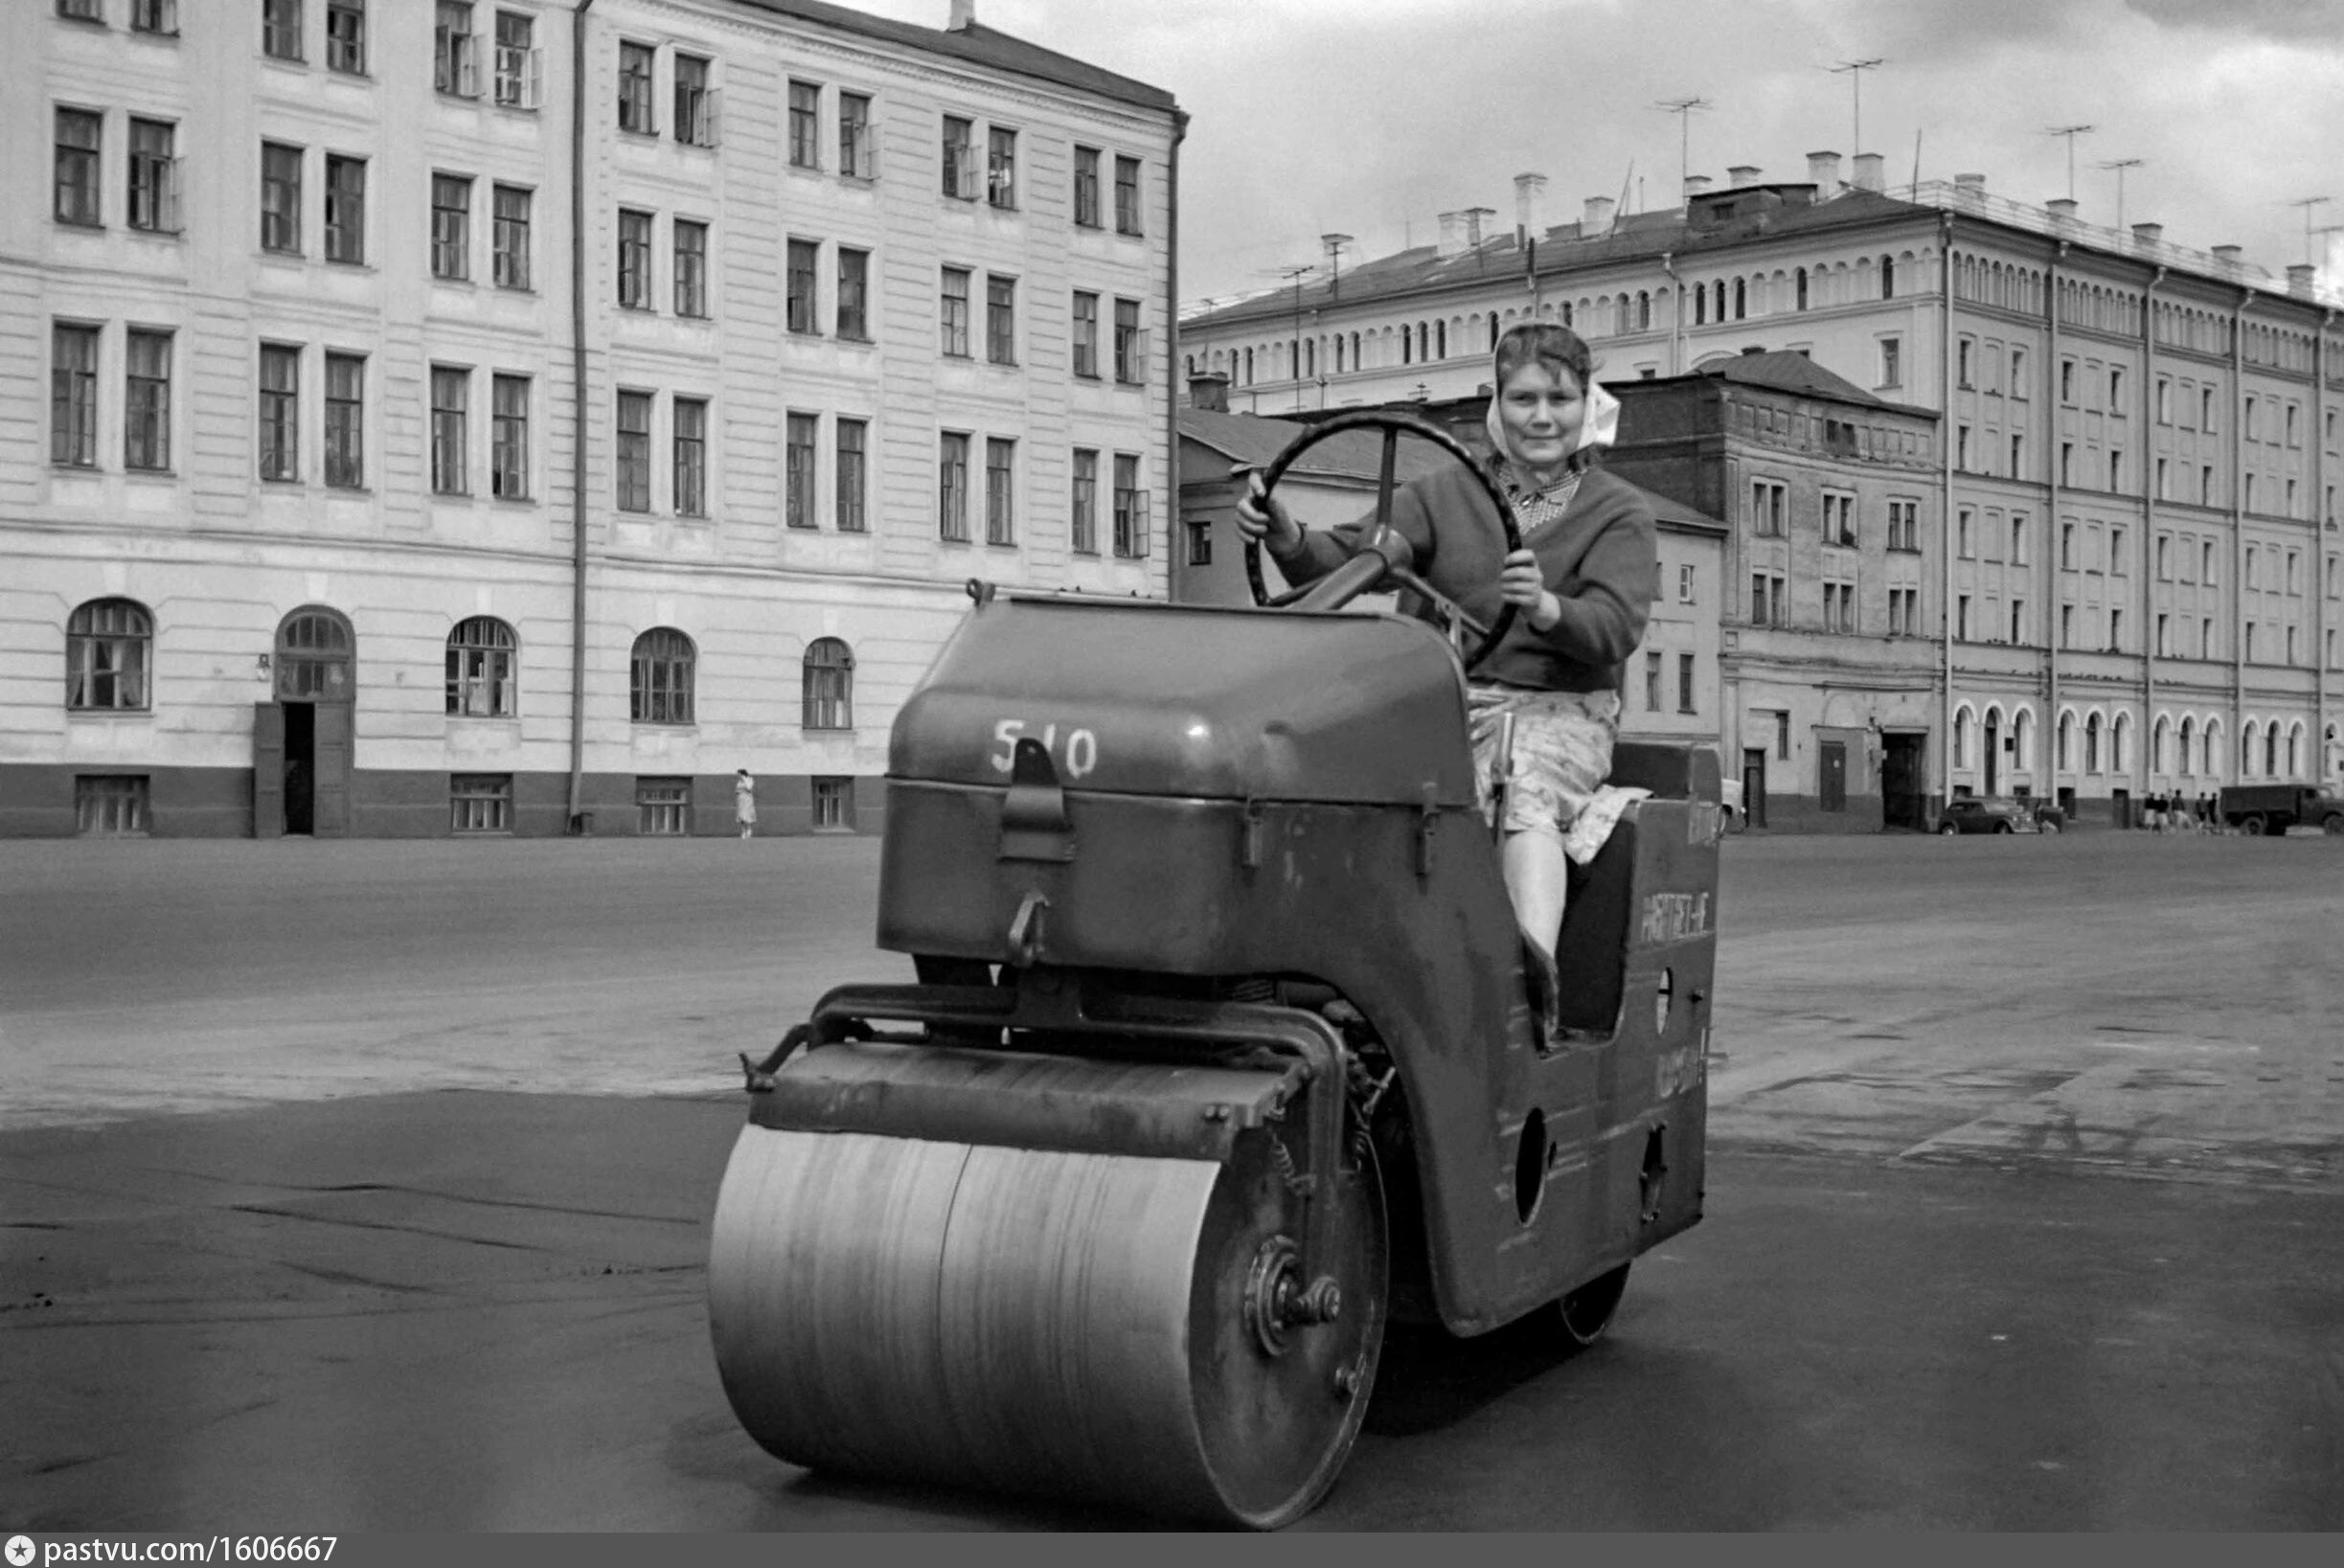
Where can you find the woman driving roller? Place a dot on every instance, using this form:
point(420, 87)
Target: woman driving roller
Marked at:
point(1582, 585)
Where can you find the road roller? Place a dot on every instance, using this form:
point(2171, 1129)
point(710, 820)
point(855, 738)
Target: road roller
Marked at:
point(1220, 1055)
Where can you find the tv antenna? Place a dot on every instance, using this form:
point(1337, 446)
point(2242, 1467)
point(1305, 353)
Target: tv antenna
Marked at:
point(2071, 132)
point(1295, 273)
point(1683, 109)
point(2306, 203)
point(1853, 71)
point(2120, 165)
point(1336, 245)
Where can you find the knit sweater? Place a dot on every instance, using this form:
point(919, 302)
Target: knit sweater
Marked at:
point(1599, 560)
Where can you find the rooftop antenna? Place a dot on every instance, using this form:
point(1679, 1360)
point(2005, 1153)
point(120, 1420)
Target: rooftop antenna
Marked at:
point(2306, 204)
point(1853, 71)
point(1295, 273)
point(1683, 109)
point(2120, 165)
point(2071, 132)
point(1335, 244)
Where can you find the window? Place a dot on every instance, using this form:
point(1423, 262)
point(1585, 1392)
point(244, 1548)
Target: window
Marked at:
point(1903, 524)
point(1127, 195)
point(834, 804)
point(1130, 344)
point(346, 37)
point(480, 803)
point(452, 227)
point(454, 53)
point(2019, 619)
point(696, 103)
point(1964, 544)
point(853, 312)
point(1000, 467)
point(1961, 448)
point(1684, 584)
point(1769, 503)
point(508, 236)
point(798, 284)
point(346, 209)
point(805, 126)
point(1901, 613)
point(854, 442)
point(1770, 600)
point(952, 487)
point(1086, 335)
point(663, 807)
point(1838, 519)
point(798, 470)
point(1965, 361)
point(960, 160)
point(1652, 680)
point(1131, 509)
point(1782, 735)
point(508, 438)
point(2116, 631)
point(634, 260)
point(857, 148)
point(2165, 641)
point(2019, 365)
point(2205, 408)
point(110, 805)
point(1086, 187)
point(635, 89)
point(280, 412)
point(1001, 168)
point(2165, 400)
point(2205, 486)
point(482, 659)
point(690, 268)
point(2067, 380)
point(345, 421)
point(73, 395)
point(691, 457)
point(154, 177)
point(1961, 617)
point(280, 28)
point(1684, 683)
point(451, 398)
point(1000, 319)
point(517, 85)
point(2248, 425)
point(1892, 362)
point(108, 646)
point(1082, 532)
point(954, 312)
point(158, 16)
point(634, 452)
point(281, 199)
point(829, 685)
point(145, 435)
point(2120, 561)
point(2116, 470)
point(2116, 388)
point(659, 685)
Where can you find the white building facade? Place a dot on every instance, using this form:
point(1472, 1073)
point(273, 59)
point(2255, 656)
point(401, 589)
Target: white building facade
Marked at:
point(516, 417)
point(2136, 588)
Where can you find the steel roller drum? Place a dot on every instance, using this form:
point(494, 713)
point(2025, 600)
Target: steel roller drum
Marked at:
point(1069, 1324)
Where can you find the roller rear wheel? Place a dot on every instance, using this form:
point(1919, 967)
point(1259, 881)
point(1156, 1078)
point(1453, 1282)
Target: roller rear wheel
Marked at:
point(1119, 1329)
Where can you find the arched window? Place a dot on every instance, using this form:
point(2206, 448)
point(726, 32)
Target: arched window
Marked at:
point(1356, 363)
point(2120, 743)
point(2091, 745)
point(1800, 283)
point(2066, 748)
point(483, 659)
point(2022, 735)
point(1440, 340)
point(2188, 737)
point(1249, 367)
point(1338, 353)
point(659, 691)
point(2247, 748)
point(2270, 751)
point(1961, 738)
point(1700, 304)
point(314, 654)
point(1309, 357)
point(1408, 345)
point(1494, 331)
point(2295, 751)
point(1742, 298)
point(1888, 277)
point(2212, 748)
point(829, 685)
point(1644, 311)
point(109, 648)
point(2158, 748)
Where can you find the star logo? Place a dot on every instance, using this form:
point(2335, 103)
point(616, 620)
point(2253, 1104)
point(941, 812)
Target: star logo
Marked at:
point(19, 1551)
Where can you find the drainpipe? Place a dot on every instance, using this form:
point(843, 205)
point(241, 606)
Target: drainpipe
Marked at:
point(2319, 549)
point(1676, 315)
point(1944, 507)
point(578, 398)
point(1172, 348)
point(2149, 524)
point(2054, 564)
point(2236, 738)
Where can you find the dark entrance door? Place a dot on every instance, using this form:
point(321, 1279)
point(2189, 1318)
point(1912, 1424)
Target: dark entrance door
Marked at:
point(1754, 786)
point(1901, 793)
point(301, 767)
point(1834, 782)
point(1994, 752)
point(316, 689)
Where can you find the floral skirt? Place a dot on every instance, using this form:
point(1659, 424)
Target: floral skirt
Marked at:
point(1562, 745)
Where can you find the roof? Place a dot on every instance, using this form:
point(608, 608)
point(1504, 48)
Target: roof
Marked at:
point(1359, 455)
point(1786, 369)
point(978, 45)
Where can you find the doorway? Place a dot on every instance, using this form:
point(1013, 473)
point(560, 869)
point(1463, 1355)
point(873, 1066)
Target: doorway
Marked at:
point(1832, 783)
point(1902, 804)
point(1754, 786)
point(301, 741)
point(1993, 751)
point(301, 767)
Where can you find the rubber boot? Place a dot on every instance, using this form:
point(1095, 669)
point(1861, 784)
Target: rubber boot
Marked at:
point(1543, 983)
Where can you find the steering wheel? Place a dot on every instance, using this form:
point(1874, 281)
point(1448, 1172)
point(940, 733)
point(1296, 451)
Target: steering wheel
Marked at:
point(1384, 547)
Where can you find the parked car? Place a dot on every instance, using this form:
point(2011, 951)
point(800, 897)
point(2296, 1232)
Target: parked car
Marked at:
point(1998, 814)
point(2274, 809)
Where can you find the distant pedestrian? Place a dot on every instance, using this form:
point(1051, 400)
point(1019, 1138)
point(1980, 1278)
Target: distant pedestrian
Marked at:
point(744, 802)
point(2156, 813)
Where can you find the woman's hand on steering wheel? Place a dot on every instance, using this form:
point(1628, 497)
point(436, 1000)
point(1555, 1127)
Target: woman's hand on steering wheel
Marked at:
point(1263, 518)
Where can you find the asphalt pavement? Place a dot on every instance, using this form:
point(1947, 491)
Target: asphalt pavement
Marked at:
point(361, 1186)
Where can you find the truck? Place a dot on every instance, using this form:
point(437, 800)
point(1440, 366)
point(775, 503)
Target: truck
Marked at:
point(2273, 808)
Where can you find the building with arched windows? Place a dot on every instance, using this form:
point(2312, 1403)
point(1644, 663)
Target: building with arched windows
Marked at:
point(430, 417)
point(2130, 486)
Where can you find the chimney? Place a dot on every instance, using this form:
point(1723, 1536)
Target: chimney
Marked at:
point(2229, 255)
point(2148, 234)
point(964, 16)
point(1478, 226)
point(1742, 174)
point(1526, 190)
point(1970, 182)
point(1695, 185)
point(1868, 175)
point(1209, 390)
point(2299, 278)
point(1597, 217)
point(2062, 210)
point(1823, 169)
point(1453, 235)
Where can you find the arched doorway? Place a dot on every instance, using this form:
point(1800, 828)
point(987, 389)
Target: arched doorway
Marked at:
point(1993, 751)
point(301, 738)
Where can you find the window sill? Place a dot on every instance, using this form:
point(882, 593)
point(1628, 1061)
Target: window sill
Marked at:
point(143, 232)
point(639, 133)
point(858, 339)
point(77, 225)
point(1129, 233)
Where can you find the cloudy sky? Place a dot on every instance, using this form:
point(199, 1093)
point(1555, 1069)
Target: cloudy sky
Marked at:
point(1369, 116)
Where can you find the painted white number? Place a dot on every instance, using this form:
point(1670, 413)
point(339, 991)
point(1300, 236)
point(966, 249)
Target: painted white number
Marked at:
point(1082, 751)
